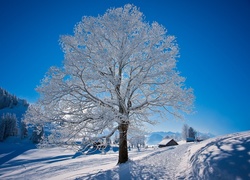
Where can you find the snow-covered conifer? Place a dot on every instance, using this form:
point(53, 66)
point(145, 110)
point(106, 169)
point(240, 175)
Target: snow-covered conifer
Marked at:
point(8, 126)
point(7, 99)
point(2, 128)
point(192, 133)
point(23, 130)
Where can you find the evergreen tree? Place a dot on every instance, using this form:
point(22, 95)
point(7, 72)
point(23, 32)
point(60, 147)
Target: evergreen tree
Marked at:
point(8, 126)
point(2, 129)
point(191, 133)
point(7, 99)
point(23, 129)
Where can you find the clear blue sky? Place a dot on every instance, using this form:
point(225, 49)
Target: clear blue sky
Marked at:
point(213, 35)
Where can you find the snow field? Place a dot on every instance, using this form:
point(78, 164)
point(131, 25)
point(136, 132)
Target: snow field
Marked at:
point(225, 157)
point(57, 163)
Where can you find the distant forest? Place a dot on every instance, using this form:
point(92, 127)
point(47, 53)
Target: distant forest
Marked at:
point(8, 100)
point(11, 112)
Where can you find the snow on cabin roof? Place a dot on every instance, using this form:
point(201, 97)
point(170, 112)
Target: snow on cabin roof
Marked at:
point(165, 141)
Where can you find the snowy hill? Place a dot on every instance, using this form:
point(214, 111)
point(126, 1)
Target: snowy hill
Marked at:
point(225, 157)
point(19, 109)
point(9, 103)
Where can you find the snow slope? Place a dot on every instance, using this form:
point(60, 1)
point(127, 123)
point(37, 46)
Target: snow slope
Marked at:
point(225, 157)
point(19, 110)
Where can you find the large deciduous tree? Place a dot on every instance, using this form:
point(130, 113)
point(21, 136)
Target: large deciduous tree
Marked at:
point(118, 70)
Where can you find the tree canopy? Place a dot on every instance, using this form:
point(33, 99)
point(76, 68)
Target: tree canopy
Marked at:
point(118, 70)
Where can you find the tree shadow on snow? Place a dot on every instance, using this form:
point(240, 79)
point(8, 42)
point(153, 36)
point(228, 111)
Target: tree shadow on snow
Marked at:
point(132, 170)
point(47, 160)
point(10, 151)
point(92, 151)
point(230, 163)
point(127, 171)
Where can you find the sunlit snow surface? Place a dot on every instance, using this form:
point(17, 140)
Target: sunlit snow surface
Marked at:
point(225, 157)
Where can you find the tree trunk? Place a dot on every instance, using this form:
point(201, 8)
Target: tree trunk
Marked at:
point(123, 147)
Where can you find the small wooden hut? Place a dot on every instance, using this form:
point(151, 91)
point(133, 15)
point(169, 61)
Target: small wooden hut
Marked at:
point(167, 142)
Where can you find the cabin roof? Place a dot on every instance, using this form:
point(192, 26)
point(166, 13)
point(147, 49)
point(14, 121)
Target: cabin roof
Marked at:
point(165, 141)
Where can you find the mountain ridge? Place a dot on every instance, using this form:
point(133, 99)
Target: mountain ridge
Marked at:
point(155, 137)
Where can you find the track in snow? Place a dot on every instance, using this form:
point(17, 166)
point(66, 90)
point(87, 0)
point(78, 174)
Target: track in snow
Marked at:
point(163, 163)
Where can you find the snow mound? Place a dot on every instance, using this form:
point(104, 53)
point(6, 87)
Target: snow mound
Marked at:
point(182, 142)
point(225, 157)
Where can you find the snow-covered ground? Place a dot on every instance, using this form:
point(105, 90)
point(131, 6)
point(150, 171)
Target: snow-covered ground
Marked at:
point(225, 157)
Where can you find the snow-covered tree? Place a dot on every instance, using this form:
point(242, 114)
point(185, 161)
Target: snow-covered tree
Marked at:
point(137, 141)
point(37, 134)
point(118, 70)
point(2, 129)
point(185, 129)
point(7, 99)
point(188, 132)
point(115, 139)
point(23, 130)
point(192, 133)
point(8, 126)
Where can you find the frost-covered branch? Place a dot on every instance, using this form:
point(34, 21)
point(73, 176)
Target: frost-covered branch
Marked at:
point(118, 71)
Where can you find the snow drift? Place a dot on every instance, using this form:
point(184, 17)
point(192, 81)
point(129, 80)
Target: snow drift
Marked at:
point(225, 157)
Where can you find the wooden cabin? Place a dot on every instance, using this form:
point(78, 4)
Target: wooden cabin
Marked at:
point(167, 142)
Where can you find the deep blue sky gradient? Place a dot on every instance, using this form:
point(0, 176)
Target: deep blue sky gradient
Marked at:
point(213, 37)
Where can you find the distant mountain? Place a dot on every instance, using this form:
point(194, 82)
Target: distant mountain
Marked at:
point(155, 137)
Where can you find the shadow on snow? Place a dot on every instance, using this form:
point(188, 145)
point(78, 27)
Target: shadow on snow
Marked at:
point(132, 170)
point(9, 152)
point(233, 161)
point(94, 150)
point(129, 170)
